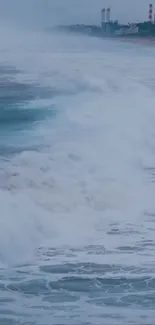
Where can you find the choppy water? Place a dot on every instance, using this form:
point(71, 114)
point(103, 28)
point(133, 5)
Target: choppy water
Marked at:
point(77, 171)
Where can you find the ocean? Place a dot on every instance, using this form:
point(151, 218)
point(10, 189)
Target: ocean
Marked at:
point(77, 180)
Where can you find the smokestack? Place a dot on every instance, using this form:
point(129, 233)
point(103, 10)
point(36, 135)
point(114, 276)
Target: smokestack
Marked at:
point(108, 15)
point(150, 12)
point(154, 18)
point(103, 16)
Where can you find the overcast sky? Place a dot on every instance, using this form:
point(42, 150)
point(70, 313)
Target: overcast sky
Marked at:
point(48, 12)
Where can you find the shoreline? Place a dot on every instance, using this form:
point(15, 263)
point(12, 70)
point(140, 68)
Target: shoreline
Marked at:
point(139, 40)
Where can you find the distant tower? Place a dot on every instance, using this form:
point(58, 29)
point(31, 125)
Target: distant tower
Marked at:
point(154, 18)
point(150, 12)
point(108, 15)
point(103, 17)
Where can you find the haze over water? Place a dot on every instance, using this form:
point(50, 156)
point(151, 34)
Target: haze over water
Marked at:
point(77, 171)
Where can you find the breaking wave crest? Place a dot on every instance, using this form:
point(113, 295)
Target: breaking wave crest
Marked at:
point(76, 181)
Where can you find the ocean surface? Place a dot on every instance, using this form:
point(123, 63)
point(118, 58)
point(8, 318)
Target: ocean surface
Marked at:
point(77, 180)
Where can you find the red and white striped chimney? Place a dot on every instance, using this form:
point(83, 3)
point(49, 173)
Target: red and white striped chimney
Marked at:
point(108, 15)
point(150, 12)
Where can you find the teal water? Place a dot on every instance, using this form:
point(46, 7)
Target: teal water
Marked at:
point(77, 162)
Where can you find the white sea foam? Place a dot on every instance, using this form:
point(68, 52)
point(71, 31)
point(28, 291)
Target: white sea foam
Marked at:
point(91, 174)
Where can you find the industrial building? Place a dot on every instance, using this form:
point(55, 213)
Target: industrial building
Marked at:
point(112, 28)
point(109, 26)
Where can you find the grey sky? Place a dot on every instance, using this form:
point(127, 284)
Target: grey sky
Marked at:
point(48, 12)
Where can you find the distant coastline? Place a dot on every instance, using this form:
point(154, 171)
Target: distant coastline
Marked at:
point(137, 32)
point(96, 31)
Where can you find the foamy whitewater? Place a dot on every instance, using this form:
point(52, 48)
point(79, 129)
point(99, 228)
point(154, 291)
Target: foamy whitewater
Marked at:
point(77, 180)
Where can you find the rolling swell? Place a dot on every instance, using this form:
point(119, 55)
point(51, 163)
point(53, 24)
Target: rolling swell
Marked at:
point(66, 288)
point(15, 94)
point(17, 113)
